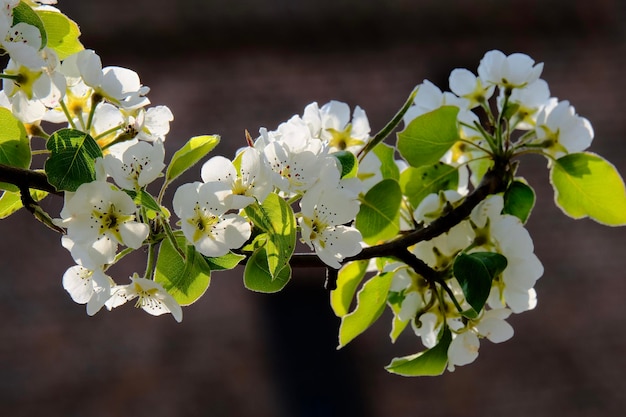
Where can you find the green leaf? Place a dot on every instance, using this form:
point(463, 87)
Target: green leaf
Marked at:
point(257, 276)
point(23, 13)
point(14, 144)
point(371, 301)
point(387, 156)
point(429, 136)
point(10, 201)
point(475, 272)
point(348, 279)
point(63, 33)
point(397, 325)
point(144, 199)
point(585, 184)
point(430, 362)
point(221, 263)
point(519, 200)
point(186, 280)
point(193, 151)
point(348, 163)
point(379, 216)
point(72, 159)
point(276, 218)
point(417, 183)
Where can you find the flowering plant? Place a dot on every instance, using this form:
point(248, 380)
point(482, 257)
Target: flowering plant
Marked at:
point(430, 225)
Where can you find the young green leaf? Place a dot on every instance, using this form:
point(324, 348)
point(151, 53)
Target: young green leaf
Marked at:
point(430, 362)
point(429, 136)
point(185, 279)
point(417, 183)
point(72, 159)
point(386, 154)
point(14, 144)
point(23, 13)
point(519, 200)
point(193, 151)
point(276, 218)
point(222, 263)
point(348, 163)
point(348, 279)
point(257, 276)
point(62, 33)
point(10, 201)
point(371, 301)
point(475, 272)
point(378, 218)
point(585, 184)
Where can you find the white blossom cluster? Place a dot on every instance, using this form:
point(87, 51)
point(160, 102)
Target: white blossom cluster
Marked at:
point(294, 161)
point(535, 123)
point(110, 104)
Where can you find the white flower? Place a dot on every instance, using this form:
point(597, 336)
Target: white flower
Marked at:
point(98, 217)
point(134, 164)
point(34, 90)
point(512, 71)
point(120, 86)
point(505, 234)
point(85, 286)
point(466, 85)
point(529, 100)
point(252, 183)
point(560, 130)
point(151, 297)
point(153, 124)
point(463, 349)
point(201, 208)
point(331, 123)
point(325, 210)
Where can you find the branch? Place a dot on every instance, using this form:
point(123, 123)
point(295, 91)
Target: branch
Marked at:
point(26, 179)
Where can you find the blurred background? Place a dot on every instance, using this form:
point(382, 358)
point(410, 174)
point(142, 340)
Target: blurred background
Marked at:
point(223, 67)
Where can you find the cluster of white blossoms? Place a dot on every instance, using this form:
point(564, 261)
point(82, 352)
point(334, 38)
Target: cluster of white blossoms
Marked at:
point(294, 161)
point(110, 104)
point(545, 126)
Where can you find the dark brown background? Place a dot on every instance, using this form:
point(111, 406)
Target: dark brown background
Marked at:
point(223, 67)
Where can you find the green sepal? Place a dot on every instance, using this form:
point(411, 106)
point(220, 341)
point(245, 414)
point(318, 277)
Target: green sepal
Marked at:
point(275, 217)
point(257, 276)
point(185, 279)
point(475, 273)
point(14, 144)
point(429, 136)
point(379, 216)
point(348, 279)
point(417, 183)
point(519, 200)
point(193, 151)
point(587, 185)
point(63, 33)
point(72, 159)
point(23, 13)
point(371, 301)
point(430, 362)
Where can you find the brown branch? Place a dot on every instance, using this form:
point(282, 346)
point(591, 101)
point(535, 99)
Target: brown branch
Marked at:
point(27, 179)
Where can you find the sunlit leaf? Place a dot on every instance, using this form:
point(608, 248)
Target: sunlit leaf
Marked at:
point(14, 144)
point(348, 279)
point(417, 183)
point(193, 151)
point(185, 279)
point(587, 185)
point(63, 33)
point(429, 136)
point(378, 217)
point(371, 301)
point(430, 362)
point(257, 276)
